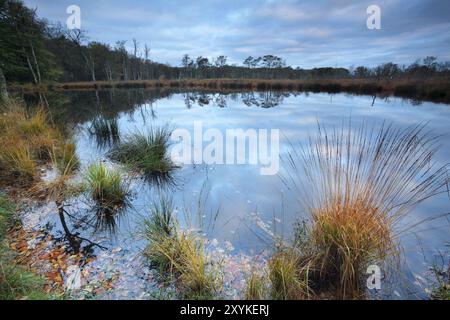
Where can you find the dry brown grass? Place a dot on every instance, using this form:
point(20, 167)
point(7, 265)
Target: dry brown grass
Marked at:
point(180, 254)
point(288, 274)
point(28, 140)
point(357, 185)
point(435, 89)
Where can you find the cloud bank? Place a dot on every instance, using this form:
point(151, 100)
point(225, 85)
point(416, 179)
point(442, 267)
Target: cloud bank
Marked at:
point(305, 33)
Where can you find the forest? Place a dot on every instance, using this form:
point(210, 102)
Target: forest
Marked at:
point(35, 50)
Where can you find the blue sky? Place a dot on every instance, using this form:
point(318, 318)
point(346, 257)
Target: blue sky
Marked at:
point(305, 33)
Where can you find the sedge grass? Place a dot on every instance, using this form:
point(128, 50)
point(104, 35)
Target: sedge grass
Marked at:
point(288, 278)
point(179, 254)
point(145, 153)
point(65, 158)
point(256, 287)
point(357, 185)
point(27, 139)
point(108, 187)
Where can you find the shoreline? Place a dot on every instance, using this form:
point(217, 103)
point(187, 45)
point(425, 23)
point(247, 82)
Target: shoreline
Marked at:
point(433, 90)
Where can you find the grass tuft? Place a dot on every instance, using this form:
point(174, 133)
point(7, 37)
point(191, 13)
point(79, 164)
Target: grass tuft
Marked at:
point(179, 254)
point(106, 186)
point(357, 185)
point(288, 278)
point(147, 154)
point(27, 140)
point(256, 287)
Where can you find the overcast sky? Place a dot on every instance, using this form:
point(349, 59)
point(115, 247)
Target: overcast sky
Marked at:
point(306, 33)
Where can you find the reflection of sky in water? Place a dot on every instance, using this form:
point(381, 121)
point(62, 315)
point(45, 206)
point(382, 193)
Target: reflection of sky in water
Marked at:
point(241, 193)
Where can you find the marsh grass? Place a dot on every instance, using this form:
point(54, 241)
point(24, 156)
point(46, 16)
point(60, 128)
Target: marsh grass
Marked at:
point(146, 153)
point(161, 221)
point(288, 277)
point(18, 163)
point(197, 280)
point(160, 229)
point(256, 287)
point(108, 187)
point(179, 254)
point(27, 140)
point(357, 184)
point(441, 290)
point(65, 159)
point(15, 281)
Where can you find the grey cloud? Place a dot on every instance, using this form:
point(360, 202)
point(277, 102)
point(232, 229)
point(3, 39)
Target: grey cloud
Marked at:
point(305, 33)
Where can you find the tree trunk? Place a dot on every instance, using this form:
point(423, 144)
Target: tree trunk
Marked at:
point(38, 72)
point(31, 69)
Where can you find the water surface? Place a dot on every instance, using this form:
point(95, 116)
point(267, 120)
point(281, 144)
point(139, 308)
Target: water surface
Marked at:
point(235, 204)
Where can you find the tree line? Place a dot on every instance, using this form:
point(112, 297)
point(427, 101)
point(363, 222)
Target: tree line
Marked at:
point(35, 50)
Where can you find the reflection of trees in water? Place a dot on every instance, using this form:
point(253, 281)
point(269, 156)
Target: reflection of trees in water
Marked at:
point(83, 106)
point(93, 219)
point(85, 216)
point(77, 107)
point(73, 237)
point(267, 99)
point(105, 131)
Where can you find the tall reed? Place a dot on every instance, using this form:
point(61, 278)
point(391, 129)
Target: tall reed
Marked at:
point(357, 184)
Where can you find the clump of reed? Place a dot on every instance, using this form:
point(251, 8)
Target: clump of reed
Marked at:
point(256, 287)
point(357, 185)
point(65, 161)
point(28, 140)
point(64, 157)
point(146, 153)
point(179, 254)
point(157, 227)
point(108, 187)
point(287, 274)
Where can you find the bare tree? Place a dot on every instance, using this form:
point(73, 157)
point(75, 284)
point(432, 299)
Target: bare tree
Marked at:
point(147, 60)
point(78, 36)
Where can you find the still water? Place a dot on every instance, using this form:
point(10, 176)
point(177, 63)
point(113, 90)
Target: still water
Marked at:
point(234, 205)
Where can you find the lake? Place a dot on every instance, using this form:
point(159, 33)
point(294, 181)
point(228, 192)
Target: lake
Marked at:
point(238, 209)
